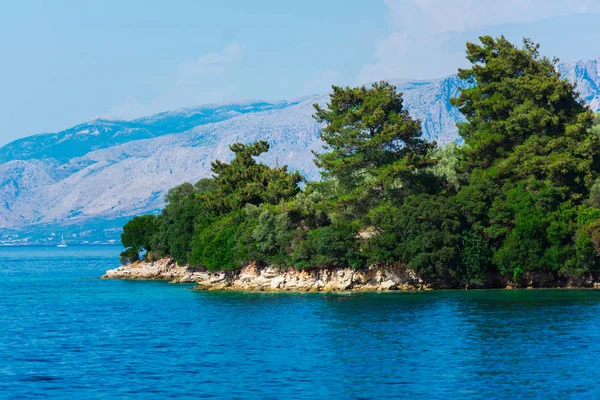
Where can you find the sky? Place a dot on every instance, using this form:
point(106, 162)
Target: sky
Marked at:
point(67, 61)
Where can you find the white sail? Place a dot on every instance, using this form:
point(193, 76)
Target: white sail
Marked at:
point(62, 242)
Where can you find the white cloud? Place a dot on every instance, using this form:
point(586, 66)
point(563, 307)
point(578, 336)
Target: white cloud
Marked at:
point(233, 52)
point(441, 16)
point(415, 47)
point(193, 82)
point(128, 109)
point(321, 82)
point(213, 62)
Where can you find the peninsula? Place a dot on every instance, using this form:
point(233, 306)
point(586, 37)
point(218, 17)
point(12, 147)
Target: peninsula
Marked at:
point(517, 204)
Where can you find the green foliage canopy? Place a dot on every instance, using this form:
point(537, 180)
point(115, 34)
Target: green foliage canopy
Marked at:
point(374, 150)
point(529, 155)
point(137, 236)
point(244, 181)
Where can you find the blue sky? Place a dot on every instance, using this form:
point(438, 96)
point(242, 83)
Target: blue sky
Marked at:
point(64, 62)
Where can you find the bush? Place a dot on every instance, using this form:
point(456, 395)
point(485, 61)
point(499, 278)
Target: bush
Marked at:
point(424, 234)
point(214, 246)
point(475, 257)
point(335, 245)
point(139, 231)
point(130, 255)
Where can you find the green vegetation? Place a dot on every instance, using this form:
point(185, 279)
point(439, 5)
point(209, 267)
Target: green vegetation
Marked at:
point(521, 194)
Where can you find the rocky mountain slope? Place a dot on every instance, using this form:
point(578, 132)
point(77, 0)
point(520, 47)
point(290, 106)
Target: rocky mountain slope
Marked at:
point(109, 169)
point(102, 132)
point(586, 74)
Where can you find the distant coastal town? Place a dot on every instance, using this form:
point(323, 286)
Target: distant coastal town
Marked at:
point(51, 239)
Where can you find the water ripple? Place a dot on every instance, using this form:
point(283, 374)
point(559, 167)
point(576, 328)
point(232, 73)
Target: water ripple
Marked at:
point(64, 334)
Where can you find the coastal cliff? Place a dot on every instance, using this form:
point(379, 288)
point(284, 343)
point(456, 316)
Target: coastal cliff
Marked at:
point(258, 278)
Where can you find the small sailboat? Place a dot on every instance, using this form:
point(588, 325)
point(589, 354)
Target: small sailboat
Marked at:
point(62, 242)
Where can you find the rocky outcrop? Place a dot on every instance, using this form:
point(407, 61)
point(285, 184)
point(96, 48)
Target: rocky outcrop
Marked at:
point(258, 278)
point(164, 269)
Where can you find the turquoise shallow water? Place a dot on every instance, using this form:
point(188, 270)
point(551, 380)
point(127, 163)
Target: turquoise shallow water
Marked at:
point(65, 333)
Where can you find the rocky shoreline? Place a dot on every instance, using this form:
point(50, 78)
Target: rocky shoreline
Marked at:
point(254, 277)
point(258, 278)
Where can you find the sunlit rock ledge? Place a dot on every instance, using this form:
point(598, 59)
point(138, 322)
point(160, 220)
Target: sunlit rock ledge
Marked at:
point(256, 278)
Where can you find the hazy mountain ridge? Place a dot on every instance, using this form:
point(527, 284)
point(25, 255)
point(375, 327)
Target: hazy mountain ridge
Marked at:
point(133, 177)
point(103, 132)
point(107, 168)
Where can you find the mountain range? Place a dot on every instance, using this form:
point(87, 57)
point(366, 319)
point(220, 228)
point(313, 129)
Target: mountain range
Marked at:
point(89, 178)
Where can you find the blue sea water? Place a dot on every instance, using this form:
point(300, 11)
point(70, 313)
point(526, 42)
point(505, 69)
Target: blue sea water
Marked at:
point(66, 333)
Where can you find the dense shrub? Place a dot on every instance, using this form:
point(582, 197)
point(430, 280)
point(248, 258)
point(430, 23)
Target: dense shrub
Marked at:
point(424, 233)
point(214, 246)
point(335, 245)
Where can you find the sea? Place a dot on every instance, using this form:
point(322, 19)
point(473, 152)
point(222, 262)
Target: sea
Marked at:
point(65, 333)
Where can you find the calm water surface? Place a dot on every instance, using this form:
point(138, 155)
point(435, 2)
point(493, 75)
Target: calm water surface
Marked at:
point(65, 333)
